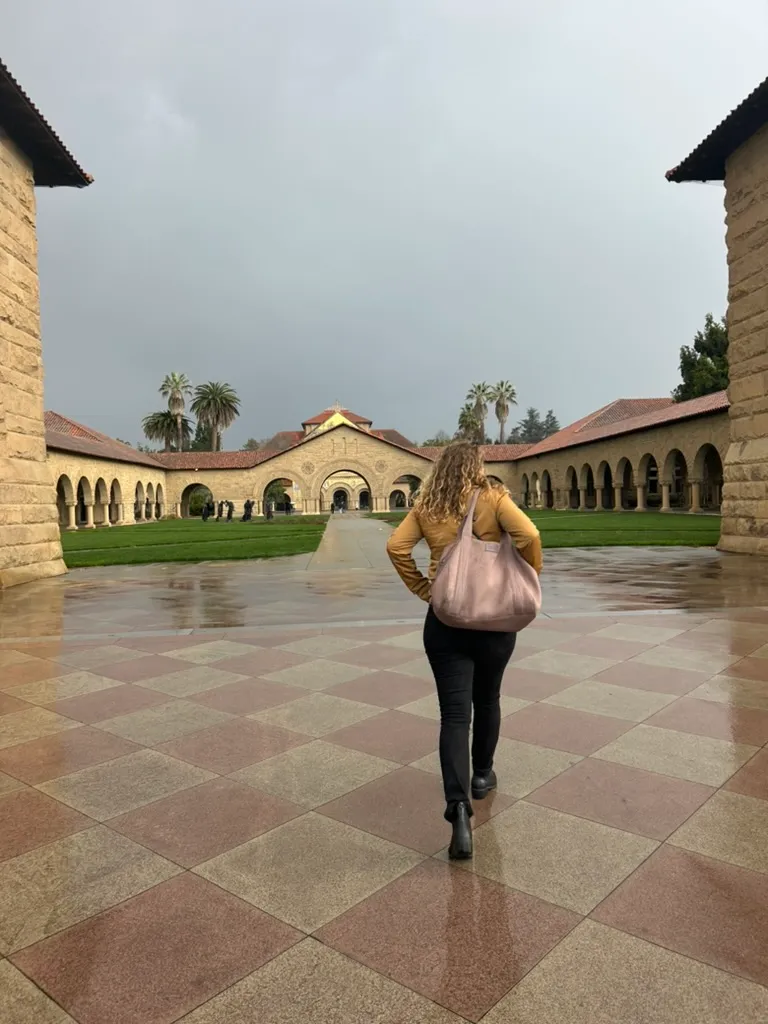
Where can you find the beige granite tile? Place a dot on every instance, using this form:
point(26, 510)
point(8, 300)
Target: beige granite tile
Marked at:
point(314, 774)
point(520, 767)
point(74, 684)
point(419, 667)
point(317, 675)
point(312, 984)
point(21, 1002)
point(614, 701)
point(23, 726)
point(543, 639)
point(638, 634)
point(729, 827)
point(598, 975)
point(565, 860)
point(105, 790)
point(90, 658)
point(164, 722)
point(317, 714)
point(192, 680)
point(428, 707)
point(761, 652)
point(679, 754)
point(8, 784)
point(410, 641)
point(323, 646)
point(54, 886)
point(309, 870)
point(689, 660)
point(10, 657)
point(206, 654)
point(561, 663)
point(747, 693)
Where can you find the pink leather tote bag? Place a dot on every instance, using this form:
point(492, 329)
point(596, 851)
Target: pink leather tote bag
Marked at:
point(484, 585)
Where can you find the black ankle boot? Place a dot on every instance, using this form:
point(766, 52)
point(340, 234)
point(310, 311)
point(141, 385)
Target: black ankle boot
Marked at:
point(483, 783)
point(461, 840)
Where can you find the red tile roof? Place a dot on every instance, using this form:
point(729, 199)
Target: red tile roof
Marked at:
point(504, 452)
point(52, 163)
point(282, 440)
point(707, 161)
point(65, 435)
point(327, 413)
point(585, 432)
point(394, 436)
point(214, 460)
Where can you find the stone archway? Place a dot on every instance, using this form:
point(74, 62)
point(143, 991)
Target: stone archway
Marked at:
point(115, 502)
point(587, 489)
point(101, 503)
point(674, 482)
point(65, 503)
point(707, 482)
point(626, 495)
point(139, 500)
point(572, 488)
point(350, 476)
point(605, 491)
point(397, 500)
point(84, 503)
point(547, 493)
point(648, 486)
point(525, 491)
point(193, 499)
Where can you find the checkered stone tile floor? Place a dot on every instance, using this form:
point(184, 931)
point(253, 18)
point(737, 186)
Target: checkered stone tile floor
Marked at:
point(246, 826)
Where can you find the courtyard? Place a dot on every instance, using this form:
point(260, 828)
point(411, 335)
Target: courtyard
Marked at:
point(225, 775)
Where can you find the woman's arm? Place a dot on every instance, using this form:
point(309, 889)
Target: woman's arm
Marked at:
point(400, 550)
point(522, 531)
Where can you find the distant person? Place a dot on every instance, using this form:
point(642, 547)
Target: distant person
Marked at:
point(220, 511)
point(230, 511)
point(468, 664)
point(206, 512)
point(270, 513)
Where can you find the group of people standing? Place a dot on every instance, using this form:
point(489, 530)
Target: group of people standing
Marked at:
point(224, 510)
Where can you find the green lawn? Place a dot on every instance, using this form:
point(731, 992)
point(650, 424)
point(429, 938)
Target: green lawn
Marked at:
point(615, 529)
point(192, 540)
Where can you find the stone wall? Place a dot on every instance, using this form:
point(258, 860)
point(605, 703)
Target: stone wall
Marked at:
point(745, 506)
point(30, 546)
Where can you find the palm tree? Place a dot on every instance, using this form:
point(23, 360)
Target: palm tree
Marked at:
point(162, 426)
point(217, 406)
point(479, 395)
point(175, 388)
point(504, 395)
point(469, 425)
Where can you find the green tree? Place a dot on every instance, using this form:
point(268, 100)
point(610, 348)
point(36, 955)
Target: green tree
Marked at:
point(504, 395)
point(479, 395)
point(529, 430)
point(203, 439)
point(251, 445)
point(176, 388)
point(217, 406)
point(704, 367)
point(440, 440)
point(163, 426)
point(551, 424)
point(470, 426)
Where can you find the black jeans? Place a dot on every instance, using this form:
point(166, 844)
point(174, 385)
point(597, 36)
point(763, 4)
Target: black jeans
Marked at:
point(468, 665)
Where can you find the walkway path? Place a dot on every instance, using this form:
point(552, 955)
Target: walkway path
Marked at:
point(215, 811)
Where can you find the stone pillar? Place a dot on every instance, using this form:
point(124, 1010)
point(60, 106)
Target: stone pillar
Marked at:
point(666, 490)
point(695, 496)
point(582, 499)
point(161, 509)
point(30, 537)
point(139, 513)
point(71, 516)
point(618, 498)
point(120, 514)
point(640, 498)
point(89, 523)
point(599, 499)
point(745, 492)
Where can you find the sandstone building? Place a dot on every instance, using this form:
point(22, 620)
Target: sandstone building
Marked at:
point(30, 155)
point(736, 153)
point(632, 455)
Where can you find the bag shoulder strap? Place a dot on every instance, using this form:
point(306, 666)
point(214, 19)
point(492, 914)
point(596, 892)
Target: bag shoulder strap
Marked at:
point(468, 524)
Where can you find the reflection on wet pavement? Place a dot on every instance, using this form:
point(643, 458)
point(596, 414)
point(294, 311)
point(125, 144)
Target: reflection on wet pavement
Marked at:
point(221, 802)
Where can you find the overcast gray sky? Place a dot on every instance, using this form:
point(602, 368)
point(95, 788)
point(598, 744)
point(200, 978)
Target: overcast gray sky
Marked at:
point(378, 201)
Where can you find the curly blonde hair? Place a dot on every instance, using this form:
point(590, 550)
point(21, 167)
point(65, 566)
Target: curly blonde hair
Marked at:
point(457, 473)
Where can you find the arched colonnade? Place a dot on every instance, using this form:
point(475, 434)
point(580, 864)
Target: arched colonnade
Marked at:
point(665, 481)
point(87, 502)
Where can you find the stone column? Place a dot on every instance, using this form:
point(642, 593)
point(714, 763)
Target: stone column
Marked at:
point(89, 524)
point(140, 516)
point(666, 491)
point(582, 499)
point(640, 498)
point(119, 514)
point(71, 516)
point(695, 496)
point(599, 499)
point(618, 496)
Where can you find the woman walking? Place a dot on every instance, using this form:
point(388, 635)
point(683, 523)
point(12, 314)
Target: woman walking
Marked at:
point(468, 664)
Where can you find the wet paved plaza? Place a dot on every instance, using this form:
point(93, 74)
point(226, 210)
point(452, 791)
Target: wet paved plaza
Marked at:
point(220, 800)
